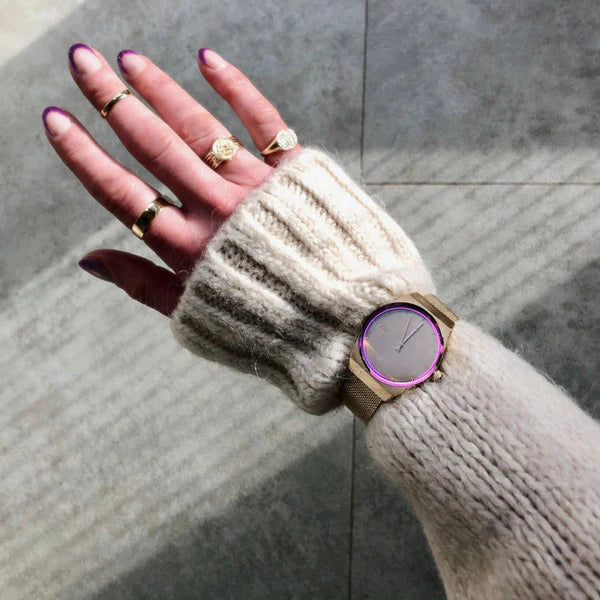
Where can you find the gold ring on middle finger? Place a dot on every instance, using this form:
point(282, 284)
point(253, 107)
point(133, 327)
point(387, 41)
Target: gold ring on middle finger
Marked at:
point(222, 149)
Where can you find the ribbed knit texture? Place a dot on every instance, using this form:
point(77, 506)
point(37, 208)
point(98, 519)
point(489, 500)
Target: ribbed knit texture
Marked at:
point(500, 465)
point(284, 284)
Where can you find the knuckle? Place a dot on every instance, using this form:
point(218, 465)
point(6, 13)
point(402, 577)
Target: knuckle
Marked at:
point(123, 194)
point(238, 91)
point(235, 84)
point(116, 193)
point(198, 130)
point(157, 80)
point(139, 290)
point(171, 243)
point(75, 150)
point(99, 86)
point(163, 142)
point(263, 116)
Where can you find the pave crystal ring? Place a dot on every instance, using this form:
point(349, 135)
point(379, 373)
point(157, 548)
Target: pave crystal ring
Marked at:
point(285, 139)
point(222, 149)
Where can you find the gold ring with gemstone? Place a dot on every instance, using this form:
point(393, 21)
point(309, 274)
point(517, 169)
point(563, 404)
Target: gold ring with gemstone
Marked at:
point(106, 108)
point(222, 149)
point(285, 139)
point(143, 221)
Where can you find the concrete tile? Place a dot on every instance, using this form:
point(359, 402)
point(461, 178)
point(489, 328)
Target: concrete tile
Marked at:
point(521, 261)
point(558, 333)
point(492, 249)
point(308, 62)
point(472, 92)
point(390, 555)
point(123, 454)
point(265, 545)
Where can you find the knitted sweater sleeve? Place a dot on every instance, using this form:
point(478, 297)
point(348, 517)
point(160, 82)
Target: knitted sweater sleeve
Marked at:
point(499, 464)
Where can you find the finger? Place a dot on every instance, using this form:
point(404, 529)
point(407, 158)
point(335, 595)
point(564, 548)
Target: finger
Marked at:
point(149, 139)
point(178, 239)
point(144, 281)
point(258, 115)
point(195, 125)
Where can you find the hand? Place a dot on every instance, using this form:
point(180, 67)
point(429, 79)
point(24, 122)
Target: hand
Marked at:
point(170, 144)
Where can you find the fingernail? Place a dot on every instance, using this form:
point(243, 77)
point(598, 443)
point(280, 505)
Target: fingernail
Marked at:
point(210, 58)
point(55, 120)
point(96, 268)
point(130, 62)
point(83, 60)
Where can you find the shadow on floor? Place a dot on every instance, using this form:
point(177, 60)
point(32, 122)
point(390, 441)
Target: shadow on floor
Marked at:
point(259, 548)
point(559, 335)
point(252, 551)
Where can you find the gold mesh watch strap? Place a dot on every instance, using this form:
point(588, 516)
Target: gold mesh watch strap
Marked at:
point(356, 394)
point(360, 399)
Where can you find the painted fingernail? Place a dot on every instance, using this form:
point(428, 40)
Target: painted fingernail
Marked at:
point(130, 62)
point(210, 58)
point(83, 60)
point(96, 268)
point(56, 121)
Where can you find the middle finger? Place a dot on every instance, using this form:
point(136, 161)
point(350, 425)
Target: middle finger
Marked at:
point(150, 140)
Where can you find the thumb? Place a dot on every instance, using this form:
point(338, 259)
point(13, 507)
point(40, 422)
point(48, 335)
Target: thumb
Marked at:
point(144, 281)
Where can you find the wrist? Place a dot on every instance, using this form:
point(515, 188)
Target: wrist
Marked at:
point(284, 284)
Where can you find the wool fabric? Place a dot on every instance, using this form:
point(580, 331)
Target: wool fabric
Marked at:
point(498, 462)
point(284, 284)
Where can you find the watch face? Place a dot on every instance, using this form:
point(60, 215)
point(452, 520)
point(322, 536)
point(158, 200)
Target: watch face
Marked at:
point(400, 345)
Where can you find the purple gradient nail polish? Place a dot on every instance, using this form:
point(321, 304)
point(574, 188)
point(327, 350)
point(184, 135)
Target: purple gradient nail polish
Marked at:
point(201, 55)
point(120, 61)
point(46, 111)
point(72, 51)
point(96, 268)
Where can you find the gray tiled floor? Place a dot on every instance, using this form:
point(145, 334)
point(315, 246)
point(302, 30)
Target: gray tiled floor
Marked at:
point(480, 91)
point(131, 469)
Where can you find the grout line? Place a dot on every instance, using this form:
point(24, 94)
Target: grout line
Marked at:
point(350, 537)
point(353, 456)
point(479, 183)
point(364, 91)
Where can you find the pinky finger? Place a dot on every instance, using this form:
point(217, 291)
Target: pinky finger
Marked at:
point(144, 281)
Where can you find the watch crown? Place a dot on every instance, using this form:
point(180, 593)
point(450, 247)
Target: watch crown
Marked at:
point(437, 375)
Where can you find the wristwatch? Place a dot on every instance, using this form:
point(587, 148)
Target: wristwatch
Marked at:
point(400, 346)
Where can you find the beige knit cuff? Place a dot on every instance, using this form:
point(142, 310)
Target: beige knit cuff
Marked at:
point(284, 284)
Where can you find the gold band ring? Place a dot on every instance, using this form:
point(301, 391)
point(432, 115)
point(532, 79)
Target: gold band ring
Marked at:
point(142, 222)
point(106, 108)
point(285, 139)
point(221, 150)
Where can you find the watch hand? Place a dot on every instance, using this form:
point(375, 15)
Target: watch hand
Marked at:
point(408, 338)
point(399, 347)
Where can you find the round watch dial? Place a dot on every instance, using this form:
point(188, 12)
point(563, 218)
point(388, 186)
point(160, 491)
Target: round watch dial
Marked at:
point(400, 345)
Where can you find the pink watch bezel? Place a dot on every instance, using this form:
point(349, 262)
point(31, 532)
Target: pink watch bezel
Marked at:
point(400, 306)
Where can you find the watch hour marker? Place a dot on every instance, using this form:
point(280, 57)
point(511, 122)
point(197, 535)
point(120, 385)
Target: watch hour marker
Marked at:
point(382, 328)
point(399, 345)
